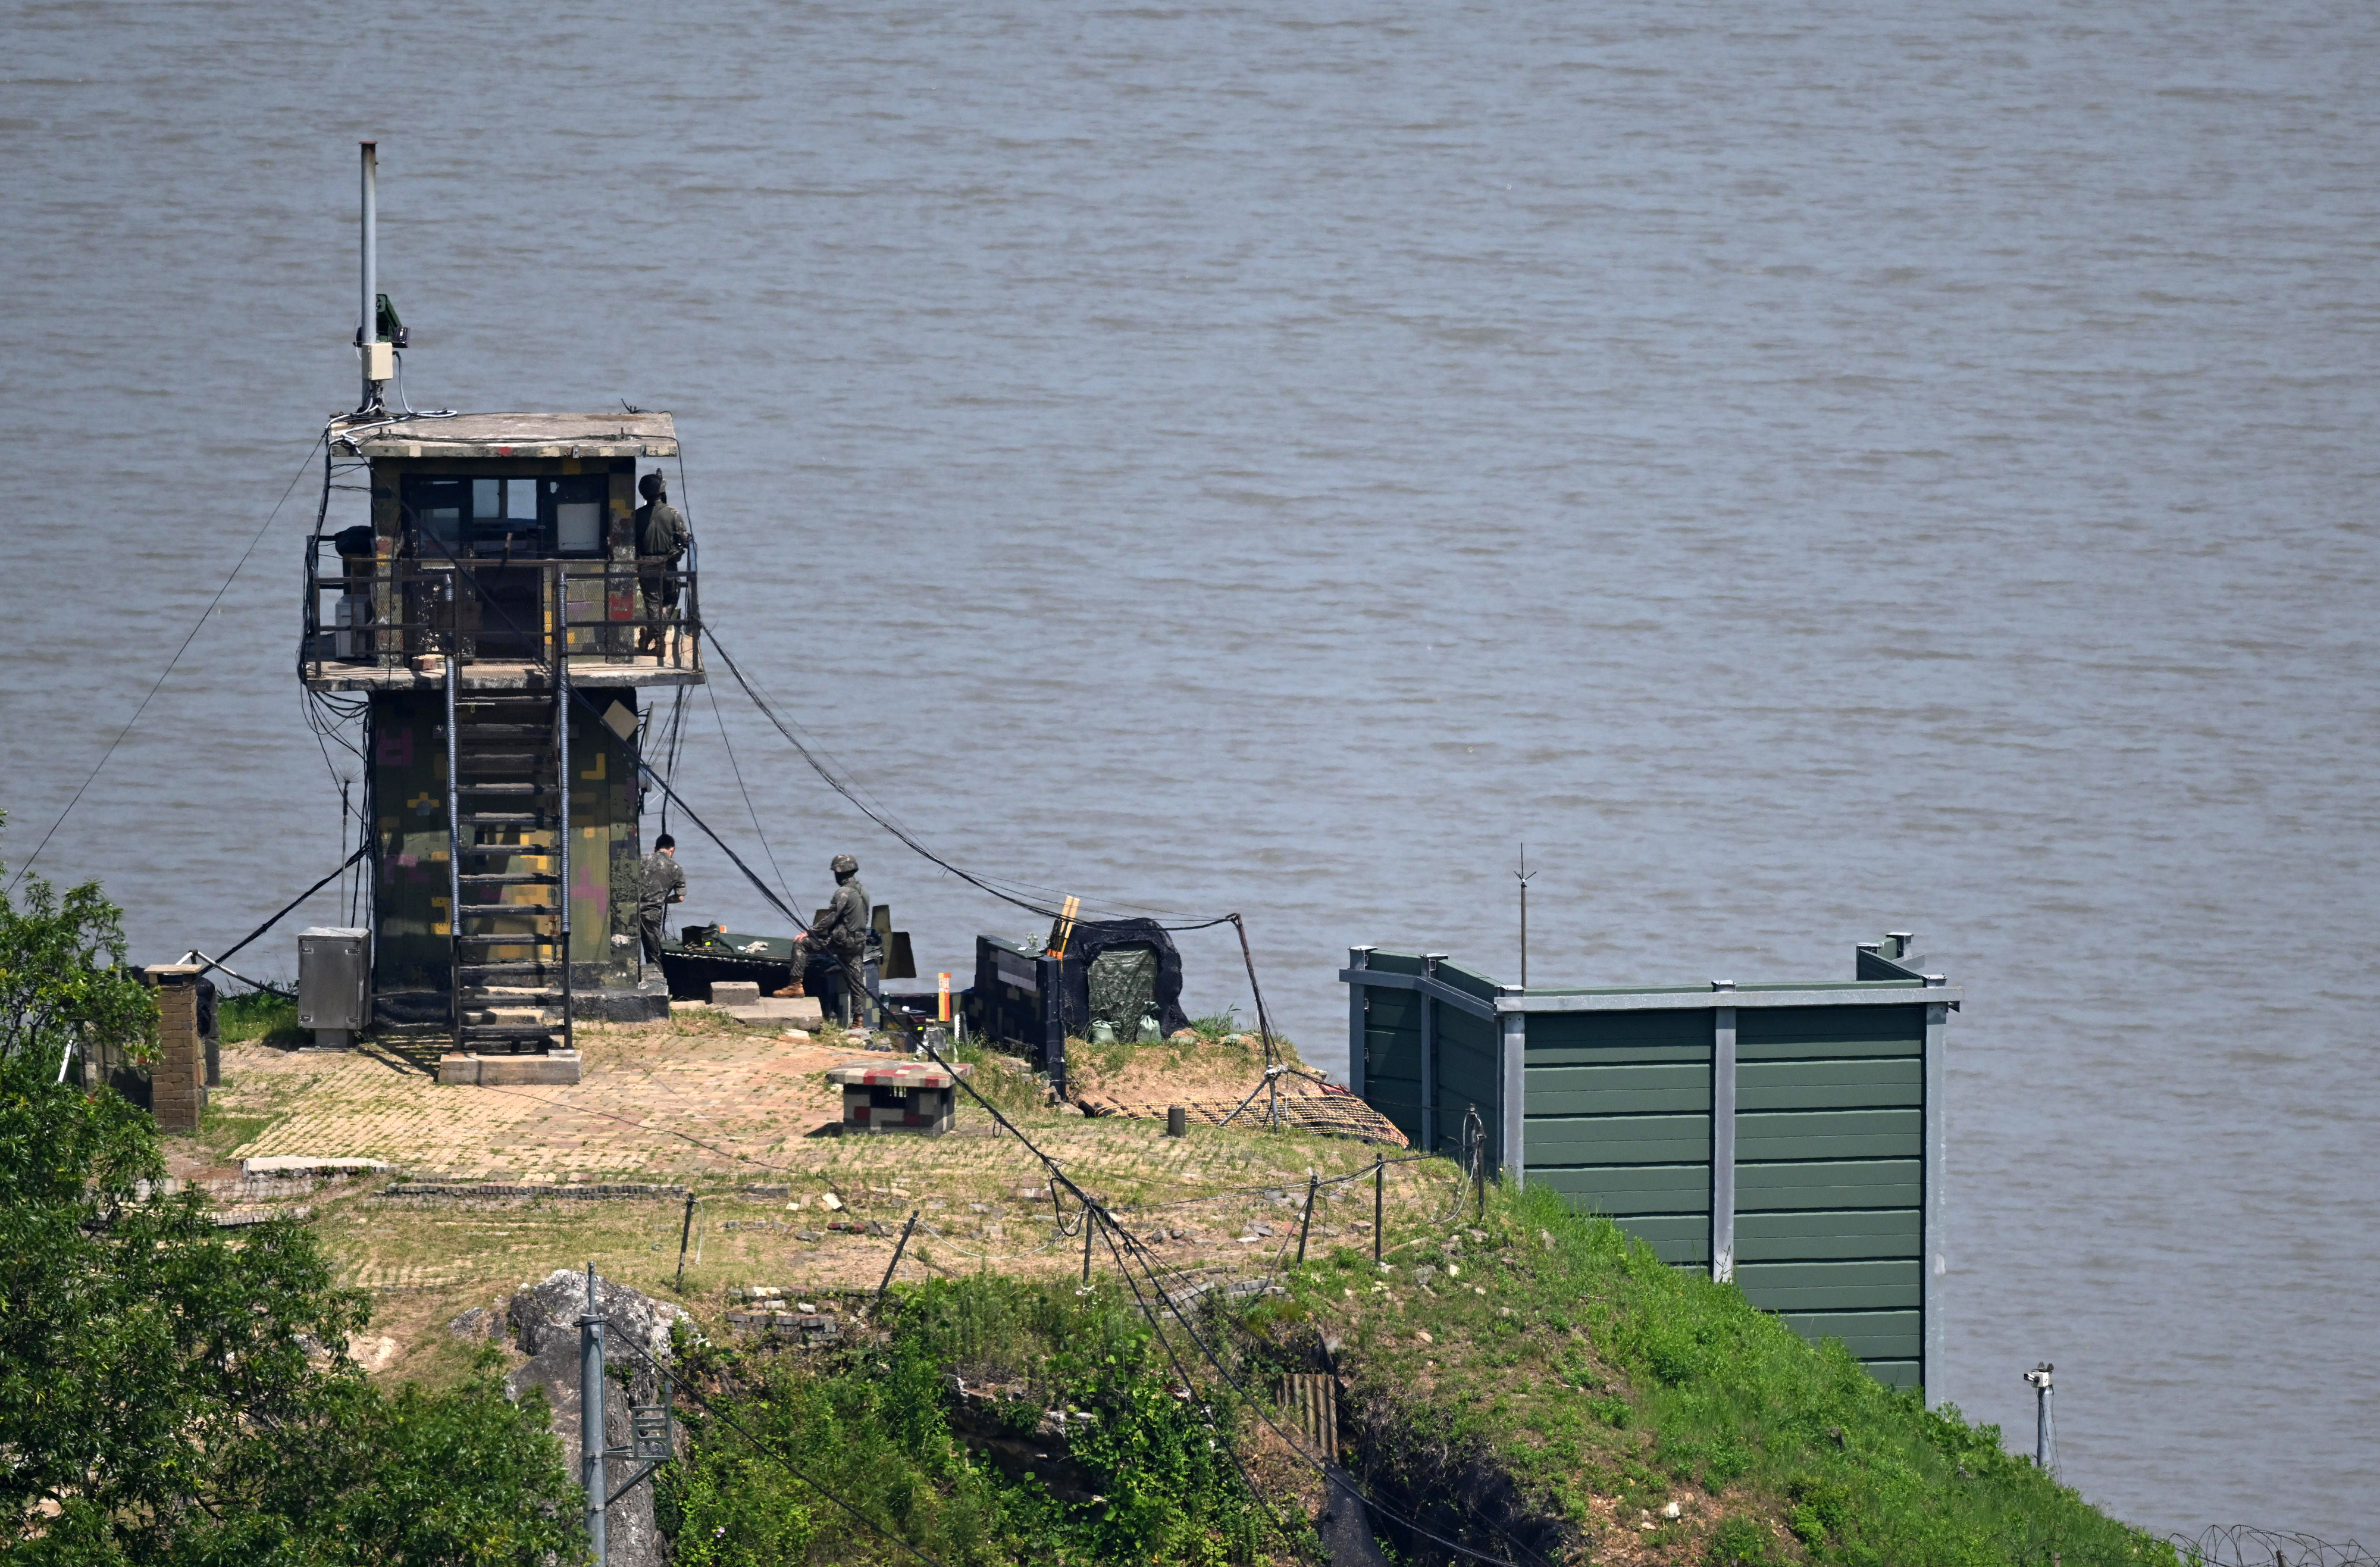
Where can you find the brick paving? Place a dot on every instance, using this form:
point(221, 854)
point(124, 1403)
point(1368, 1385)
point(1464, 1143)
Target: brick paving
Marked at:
point(650, 1100)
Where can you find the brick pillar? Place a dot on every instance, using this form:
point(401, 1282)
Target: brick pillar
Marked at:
point(178, 1082)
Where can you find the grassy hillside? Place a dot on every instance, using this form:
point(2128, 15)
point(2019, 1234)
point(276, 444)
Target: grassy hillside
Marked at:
point(1548, 1391)
point(1553, 1388)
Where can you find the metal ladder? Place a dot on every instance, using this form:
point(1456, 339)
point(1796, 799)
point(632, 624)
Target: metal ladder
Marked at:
point(507, 778)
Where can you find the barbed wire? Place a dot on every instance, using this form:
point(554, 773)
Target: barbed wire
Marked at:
point(2241, 1545)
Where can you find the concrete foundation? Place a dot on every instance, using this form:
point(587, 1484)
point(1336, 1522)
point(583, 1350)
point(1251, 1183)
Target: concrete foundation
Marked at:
point(558, 1067)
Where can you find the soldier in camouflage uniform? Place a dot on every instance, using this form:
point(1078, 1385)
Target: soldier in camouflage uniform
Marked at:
point(662, 539)
point(842, 934)
point(661, 882)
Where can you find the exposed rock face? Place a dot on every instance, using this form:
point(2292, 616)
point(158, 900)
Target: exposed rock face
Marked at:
point(544, 1319)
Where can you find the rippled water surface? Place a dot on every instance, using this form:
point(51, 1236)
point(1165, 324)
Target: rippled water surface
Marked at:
point(1808, 470)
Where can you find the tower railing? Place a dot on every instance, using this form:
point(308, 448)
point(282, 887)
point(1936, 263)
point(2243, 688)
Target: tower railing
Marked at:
point(387, 612)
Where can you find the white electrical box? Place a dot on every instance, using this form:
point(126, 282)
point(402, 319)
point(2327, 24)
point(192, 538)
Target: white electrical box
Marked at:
point(379, 361)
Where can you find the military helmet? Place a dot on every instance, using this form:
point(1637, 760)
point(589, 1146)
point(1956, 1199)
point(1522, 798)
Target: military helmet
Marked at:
point(651, 486)
point(844, 864)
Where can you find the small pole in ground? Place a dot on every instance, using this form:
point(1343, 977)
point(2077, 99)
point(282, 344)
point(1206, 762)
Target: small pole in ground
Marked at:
point(686, 1231)
point(1091, 1228)
point(2044, 1434)
point(1524, 873)
point(900, 1246)
point(1312, 1185)
point(1380, 1196)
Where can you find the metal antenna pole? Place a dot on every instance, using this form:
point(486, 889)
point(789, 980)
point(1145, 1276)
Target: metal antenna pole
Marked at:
point(2045, 1433)
point(1524, 873)
point(368, 318)
point(591, 1440)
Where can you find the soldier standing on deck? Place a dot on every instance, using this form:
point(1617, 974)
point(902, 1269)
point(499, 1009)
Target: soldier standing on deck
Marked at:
point(842, 934)
point(661, 883)
point(662, 539)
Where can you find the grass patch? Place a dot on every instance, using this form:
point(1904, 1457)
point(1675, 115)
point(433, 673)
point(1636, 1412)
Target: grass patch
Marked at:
point(221, 1131)
point(1554, 1349)
point(260, 1015)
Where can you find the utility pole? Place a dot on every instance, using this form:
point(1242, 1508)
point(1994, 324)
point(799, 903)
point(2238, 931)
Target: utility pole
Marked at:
point(1523, 874)
point(2044, 1432)
point(591, 1440)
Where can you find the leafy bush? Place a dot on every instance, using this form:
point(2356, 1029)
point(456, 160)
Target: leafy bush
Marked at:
point(1142, 1474)
point(173, 1392)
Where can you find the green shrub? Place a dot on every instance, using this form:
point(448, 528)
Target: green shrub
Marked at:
point(1740, 1542)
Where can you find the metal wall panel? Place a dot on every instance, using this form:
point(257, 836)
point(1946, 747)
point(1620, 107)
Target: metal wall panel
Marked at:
point(1617, 1118)
point(1822, 1180)
point(1469, 1077)
point(1829, 1175)
point(1392, 1061)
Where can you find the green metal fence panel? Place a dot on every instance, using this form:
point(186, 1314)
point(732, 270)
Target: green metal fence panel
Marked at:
point(1616, 1117)
point(1468, 1078)
point(1819, 1163)
point(1829, 1175)
point(1392, 1061)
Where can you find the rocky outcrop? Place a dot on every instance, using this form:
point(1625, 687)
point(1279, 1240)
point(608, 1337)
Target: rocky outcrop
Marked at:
point(544, 1322)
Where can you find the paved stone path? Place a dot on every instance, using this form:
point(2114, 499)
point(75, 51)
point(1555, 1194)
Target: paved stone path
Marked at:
point(651, 1100)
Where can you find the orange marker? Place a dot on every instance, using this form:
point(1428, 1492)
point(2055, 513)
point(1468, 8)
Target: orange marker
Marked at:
point(946, 998)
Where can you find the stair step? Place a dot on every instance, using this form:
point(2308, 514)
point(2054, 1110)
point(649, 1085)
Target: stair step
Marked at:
point(502, 762)
point(507, 911)
point(467, 732)
point(508, 879)
point(515, 941)
point(481, 1033)
point(504, 788)
point(505, 818)
point(519, 851)
point(472, 970)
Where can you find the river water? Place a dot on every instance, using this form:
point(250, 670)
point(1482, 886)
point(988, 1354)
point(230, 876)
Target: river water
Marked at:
point(1806, 470)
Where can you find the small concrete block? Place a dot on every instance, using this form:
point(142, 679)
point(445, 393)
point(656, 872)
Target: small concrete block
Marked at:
point(689, 1006)
point(507, 1071)
point(734, 993)
point(458, 1069)
point(791, 1012)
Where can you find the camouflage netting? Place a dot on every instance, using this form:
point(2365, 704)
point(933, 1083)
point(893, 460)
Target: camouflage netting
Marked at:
point(1106, 962)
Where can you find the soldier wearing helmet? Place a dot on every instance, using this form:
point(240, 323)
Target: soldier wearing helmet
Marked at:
point(842, 934)
point(662, 539)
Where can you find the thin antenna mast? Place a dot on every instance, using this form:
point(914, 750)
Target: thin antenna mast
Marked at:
point(368, 352)
point(1524, 873)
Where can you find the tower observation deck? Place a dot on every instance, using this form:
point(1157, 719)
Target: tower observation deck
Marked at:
point(497, 620)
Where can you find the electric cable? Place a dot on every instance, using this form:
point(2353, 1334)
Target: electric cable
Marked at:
point(749, 809)
point(1093, 1213)
point(233, 950)
point(158, 685)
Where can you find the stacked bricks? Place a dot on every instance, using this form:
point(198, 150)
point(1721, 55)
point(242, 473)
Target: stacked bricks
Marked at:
point(907, 1098)
point(178, 1083)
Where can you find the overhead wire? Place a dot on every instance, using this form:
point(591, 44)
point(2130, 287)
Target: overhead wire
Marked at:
point(751, 810)
point(1095, 1212)
point(158, 685)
